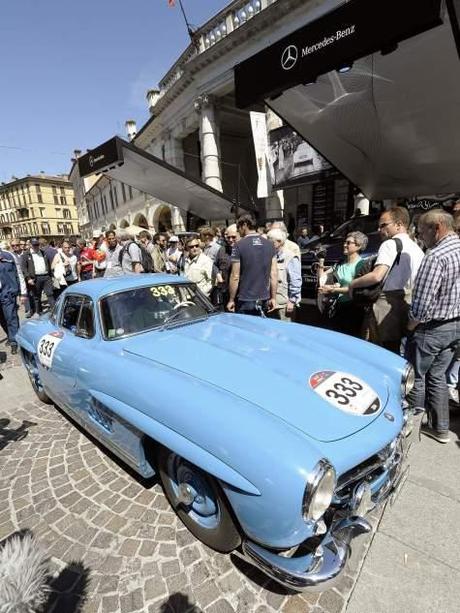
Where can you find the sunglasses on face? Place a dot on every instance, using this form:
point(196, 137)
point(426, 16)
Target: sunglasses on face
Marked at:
point(349, 243)
point(193, 246)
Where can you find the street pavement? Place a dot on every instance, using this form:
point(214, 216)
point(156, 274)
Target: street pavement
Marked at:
point(116, 546)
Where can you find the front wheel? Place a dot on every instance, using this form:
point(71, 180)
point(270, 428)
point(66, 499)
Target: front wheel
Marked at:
point(32, 371)
point(199, 502)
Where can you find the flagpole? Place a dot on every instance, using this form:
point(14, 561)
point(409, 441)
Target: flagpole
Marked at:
point(190, 30)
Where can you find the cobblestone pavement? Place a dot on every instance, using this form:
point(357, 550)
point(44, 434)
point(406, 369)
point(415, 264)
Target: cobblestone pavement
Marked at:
point(114, 543)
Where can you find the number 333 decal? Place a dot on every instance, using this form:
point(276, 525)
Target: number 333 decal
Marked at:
point(46, 348)
point(346, 392)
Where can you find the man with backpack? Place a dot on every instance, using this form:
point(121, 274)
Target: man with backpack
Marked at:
point(134, 257)
point(393, 273)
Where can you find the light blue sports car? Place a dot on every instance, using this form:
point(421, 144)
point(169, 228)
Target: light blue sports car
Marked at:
point(270, 438)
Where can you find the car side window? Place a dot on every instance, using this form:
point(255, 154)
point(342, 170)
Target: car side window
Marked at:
point(71, 312)
point(86, 321)
point(55, 310)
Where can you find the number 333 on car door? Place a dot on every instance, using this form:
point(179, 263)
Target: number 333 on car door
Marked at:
point(46, 348)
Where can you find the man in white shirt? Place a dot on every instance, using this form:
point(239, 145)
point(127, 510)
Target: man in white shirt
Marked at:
point(387, 320)
point(36, 269)
point(198, 266)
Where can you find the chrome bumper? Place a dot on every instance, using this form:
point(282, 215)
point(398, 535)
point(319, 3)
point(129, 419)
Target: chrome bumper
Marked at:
point(320, 568)
point(314, 570)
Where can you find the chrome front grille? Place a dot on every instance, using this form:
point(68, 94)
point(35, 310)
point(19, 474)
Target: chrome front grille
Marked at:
point(367, 471)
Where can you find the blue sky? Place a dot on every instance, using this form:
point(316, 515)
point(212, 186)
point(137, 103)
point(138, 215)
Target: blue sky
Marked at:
point(73, 71)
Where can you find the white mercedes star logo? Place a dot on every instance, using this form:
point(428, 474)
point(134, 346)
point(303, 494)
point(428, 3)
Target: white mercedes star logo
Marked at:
point(289, 57)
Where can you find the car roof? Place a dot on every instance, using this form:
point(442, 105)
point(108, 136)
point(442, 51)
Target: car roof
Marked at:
point(95, 288)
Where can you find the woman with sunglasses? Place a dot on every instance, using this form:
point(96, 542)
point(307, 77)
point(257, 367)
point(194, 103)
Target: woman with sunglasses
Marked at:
point(345, 316)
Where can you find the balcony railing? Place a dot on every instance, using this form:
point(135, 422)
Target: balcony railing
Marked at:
point(217, 28)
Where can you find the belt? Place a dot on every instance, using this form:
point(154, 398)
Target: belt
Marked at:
point(45, 274)
point(434, 323)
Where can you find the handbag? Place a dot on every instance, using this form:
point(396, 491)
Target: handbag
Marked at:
point(369, 295)
point(326, 302)
point(330, 308)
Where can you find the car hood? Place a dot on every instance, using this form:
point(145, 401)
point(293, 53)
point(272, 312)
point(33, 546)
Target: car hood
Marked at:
point(272, 365)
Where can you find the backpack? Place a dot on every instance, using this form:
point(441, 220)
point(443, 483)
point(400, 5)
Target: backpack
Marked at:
point(146, 259)
point(370, 294)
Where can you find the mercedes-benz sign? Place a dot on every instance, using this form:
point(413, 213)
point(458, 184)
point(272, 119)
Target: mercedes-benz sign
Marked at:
point(289, 57)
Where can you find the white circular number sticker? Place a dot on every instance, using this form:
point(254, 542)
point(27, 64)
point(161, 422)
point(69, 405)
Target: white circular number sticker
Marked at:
point(346, 392)
point(46, 348)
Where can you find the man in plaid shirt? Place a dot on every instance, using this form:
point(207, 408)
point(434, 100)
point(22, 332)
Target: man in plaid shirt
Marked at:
point(435, 320)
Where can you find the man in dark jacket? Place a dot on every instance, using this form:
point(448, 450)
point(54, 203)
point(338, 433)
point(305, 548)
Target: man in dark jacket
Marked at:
point(36, 269)
point(10, 288)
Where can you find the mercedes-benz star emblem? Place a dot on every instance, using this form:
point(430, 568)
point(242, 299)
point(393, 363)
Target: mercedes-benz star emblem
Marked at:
point(91, 161)
point(289, 57)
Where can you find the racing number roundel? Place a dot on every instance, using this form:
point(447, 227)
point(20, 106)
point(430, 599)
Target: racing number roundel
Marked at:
point(46, 347)
point(345, 392)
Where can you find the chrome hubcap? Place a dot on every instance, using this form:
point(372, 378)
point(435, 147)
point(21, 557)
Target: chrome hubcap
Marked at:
point(186, 495)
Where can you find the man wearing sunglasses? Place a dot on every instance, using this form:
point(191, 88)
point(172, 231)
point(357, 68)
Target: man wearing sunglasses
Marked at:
point(17, 249)
point(386, 322)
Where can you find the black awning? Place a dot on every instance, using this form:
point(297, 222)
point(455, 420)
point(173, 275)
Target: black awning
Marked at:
point(127, 163)
point(375, 88)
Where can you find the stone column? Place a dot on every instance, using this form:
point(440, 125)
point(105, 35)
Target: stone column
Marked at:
point(209, 139)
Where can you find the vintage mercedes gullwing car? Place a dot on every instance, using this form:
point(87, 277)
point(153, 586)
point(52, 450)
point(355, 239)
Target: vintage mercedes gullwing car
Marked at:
point(273, 439)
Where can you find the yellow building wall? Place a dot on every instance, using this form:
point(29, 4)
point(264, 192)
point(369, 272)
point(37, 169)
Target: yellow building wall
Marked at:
point(37, 207)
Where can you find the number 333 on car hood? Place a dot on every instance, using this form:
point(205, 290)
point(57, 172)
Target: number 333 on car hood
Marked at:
point(326, 385)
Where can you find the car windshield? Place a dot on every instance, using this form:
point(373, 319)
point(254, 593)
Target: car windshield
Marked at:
point(145, 308)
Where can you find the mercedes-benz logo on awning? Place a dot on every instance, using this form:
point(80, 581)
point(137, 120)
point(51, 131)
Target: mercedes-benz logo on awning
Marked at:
point(289, 57)
point(91, 161)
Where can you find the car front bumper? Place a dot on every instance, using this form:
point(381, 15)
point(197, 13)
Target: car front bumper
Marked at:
point(318, 569)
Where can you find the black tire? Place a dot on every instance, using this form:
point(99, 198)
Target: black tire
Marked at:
point(36, 383)
point(224, 536)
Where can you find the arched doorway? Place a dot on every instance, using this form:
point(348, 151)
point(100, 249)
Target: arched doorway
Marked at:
point(112, 227)
point(141, 221)
point(162, 219)
point(124, 223)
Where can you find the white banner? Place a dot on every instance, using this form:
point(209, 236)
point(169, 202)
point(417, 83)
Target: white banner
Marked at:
point(259, 136)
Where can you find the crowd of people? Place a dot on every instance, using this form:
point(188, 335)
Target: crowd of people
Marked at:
point(406, 299)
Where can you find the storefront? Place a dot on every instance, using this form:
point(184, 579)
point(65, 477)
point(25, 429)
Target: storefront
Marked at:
point(373, 87)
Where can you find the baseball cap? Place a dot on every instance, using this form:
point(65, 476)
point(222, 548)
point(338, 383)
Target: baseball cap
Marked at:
point(173, 239)
point(35, 242)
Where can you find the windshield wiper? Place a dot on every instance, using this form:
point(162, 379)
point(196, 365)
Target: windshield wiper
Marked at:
point(174, 315)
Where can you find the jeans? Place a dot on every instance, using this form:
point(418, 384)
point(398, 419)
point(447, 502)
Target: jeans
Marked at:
point(9, 320)
point(252, 307)
point(430, 350)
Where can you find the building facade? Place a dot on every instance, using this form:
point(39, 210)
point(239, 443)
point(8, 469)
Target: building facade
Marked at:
point(195, 126)
point(38, 205)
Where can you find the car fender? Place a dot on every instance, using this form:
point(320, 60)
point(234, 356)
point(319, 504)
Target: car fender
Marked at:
point(177, 443)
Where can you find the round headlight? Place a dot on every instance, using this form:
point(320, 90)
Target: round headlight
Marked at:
point(408, 380)
point(319, 491)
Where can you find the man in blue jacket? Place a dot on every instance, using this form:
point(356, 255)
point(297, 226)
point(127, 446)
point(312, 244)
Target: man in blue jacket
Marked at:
point(10, 288)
